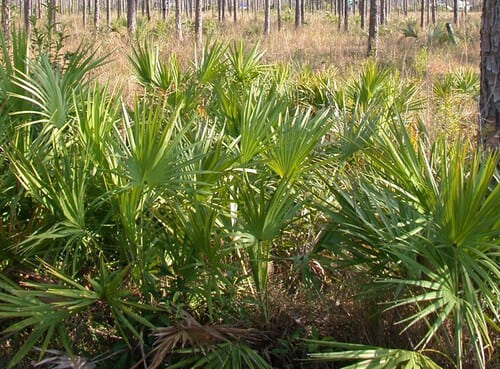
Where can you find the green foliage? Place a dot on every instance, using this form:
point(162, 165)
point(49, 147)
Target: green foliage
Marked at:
point(212, 183)
point(46, 307)
point(227, 356)
point(458, 82)
point(373, 357)
point(426, 214)
point(438, 35)
point(410, 29)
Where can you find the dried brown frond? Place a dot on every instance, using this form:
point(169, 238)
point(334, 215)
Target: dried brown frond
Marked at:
point(190, 333)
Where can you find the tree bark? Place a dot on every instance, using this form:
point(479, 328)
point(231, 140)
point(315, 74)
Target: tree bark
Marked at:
point(422, 10)
point(455, 11)
point(5, 18)
point(108, 14)
point(434, 8)
point(297, 13)
point(178, 19)
point(198, 22)
point(340, 8)
point(27, 17)
point(382, 11)
point(279, 14)
point(362, 13)
point(52, 13)
point(131, 16)
point(267, 17)
point(148, 10)
point(119, 9)
point(84, 17)
point(346, 15)
point(373, 29)
point(302, 12)
point(96, 14)
point(489, 102)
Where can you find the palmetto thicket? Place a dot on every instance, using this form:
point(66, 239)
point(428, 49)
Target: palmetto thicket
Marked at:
point(162, 217)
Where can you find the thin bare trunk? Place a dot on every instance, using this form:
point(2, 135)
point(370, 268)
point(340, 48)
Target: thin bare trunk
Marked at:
point(52, 13)
point(434, 6)
point(422, 9)
point(96, 13)
point(198, 21)
point(455, 11)
point(373, 29)
point(131, 16)
point(297, 14)
point(362, 13)
point(279, 14)
point(382, 11)
point(346, 15)
point(267, 17)
point(108, 14)
point(178, 19)
point(428, 12)
point(148, 10)
point(27, 16)
point(302, 12)
point(5, 17)
point(84, 20)
point(489, 102)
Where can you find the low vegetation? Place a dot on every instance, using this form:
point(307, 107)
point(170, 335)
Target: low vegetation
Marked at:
point(234, 211)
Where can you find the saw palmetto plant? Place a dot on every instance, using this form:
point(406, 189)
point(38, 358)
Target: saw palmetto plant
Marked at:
point(203, 190)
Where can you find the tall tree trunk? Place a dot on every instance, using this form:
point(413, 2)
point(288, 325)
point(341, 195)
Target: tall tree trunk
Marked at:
point(455, 11)
point(84, 10)
point(119, 9)
point(148, 10)
point(434, 6)
point(108, 14)
point(346, 15)
point(422, 10)
point(96, 14)
point(302, 12)
point(489, 102)
point(373, 29)
point(5, 18)
point(198, 21)
point(235, 6)
point(340, 12)
point(382, 11)
point(279, 14)
point(267, 17)
point(52, 13)
point(297, 13)
point(27, 17)
point(362, 13)
point(131, 16)
point(164, 9)
point(428, 12)
point(178, 19)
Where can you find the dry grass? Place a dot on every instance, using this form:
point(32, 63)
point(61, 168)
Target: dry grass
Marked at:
point(317, 45)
